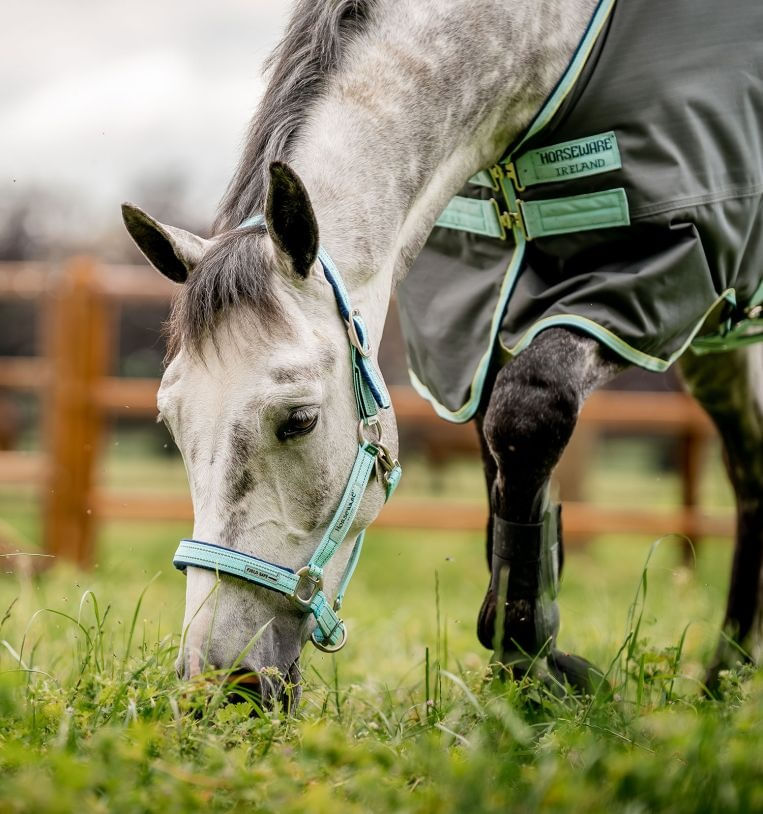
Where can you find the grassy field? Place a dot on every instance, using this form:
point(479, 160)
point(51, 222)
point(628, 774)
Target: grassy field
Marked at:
point(408, 718)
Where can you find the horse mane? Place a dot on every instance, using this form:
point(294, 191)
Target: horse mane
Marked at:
point(312, 48)
point(235, 271)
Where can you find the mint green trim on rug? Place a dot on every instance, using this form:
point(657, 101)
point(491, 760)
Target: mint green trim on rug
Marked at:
point(571, 75)
point(478, 381)
point(611, 340)
point(655, 364)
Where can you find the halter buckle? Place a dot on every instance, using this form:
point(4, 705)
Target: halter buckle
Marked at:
point(373, 421)
point(316, 583)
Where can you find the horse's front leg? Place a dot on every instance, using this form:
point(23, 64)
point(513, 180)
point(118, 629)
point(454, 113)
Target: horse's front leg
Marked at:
point(528, 420)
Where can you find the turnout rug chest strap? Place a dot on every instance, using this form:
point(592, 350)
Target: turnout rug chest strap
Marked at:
point(500, 215)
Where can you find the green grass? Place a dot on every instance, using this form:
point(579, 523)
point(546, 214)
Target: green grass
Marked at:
point(92, 718)
point(409, 717)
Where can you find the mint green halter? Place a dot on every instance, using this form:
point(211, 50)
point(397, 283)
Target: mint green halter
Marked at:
point(305, 586)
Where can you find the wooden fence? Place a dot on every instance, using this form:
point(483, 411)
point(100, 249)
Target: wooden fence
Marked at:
point(78, 397)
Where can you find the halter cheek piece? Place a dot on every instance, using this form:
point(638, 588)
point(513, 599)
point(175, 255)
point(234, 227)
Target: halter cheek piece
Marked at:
point(305, 586)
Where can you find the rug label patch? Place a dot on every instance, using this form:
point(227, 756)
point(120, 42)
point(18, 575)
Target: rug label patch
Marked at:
point(570, 159)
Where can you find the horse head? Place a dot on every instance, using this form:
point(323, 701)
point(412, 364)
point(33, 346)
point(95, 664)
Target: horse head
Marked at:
point(259, 398)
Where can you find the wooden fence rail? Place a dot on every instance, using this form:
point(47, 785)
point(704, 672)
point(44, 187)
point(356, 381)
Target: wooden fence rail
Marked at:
point(78, 396)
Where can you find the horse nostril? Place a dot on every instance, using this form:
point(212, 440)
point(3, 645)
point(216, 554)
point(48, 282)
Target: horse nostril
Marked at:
point(243, 686)
point(244, 678)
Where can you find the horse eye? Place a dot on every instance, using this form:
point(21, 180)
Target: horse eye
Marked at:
point(300, 422)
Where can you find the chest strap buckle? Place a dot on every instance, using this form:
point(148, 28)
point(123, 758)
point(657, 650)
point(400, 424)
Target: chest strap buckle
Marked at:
point(511, 220)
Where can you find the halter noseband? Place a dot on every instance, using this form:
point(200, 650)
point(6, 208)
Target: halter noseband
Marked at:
point(305, 586)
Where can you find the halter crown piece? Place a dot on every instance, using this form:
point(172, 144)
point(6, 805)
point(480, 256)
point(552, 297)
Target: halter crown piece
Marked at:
point(305, 586)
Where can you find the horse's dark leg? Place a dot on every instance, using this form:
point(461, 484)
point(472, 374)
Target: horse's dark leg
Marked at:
point(730, 387)
point(490, 470)
point(528, 420)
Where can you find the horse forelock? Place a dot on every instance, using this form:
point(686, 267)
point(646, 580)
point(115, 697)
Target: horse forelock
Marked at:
point(236, 271)
point(310, 51)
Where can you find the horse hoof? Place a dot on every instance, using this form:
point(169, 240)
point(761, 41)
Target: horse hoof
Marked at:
point(715, 685)
point(577, 673)
point(563, 674)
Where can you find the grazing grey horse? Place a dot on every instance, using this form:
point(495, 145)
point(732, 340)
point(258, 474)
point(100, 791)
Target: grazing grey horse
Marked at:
point(375, 115)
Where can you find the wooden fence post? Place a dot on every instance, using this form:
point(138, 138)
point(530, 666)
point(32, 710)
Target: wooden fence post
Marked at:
point(77, 352)
point(691, 452)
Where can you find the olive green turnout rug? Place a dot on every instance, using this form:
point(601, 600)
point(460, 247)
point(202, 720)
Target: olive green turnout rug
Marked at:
point(629, 210)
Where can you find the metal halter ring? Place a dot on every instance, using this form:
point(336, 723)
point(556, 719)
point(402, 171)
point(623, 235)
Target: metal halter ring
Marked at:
point(370, 422)
point(330, 648)
point(385, 458)
point(352, 332)
point(317, 585)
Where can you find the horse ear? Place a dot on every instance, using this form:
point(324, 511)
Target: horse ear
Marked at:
point(290, 218)
point(172, 251)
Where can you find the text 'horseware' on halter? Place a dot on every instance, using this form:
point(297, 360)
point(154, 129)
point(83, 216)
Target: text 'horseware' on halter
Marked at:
point(305, 586)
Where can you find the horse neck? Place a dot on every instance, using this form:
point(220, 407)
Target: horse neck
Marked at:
point(423, 100)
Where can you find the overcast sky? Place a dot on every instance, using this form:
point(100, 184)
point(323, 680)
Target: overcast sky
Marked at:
point(100, 99)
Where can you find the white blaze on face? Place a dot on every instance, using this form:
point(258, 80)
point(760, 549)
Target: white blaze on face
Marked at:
point(268, 432)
